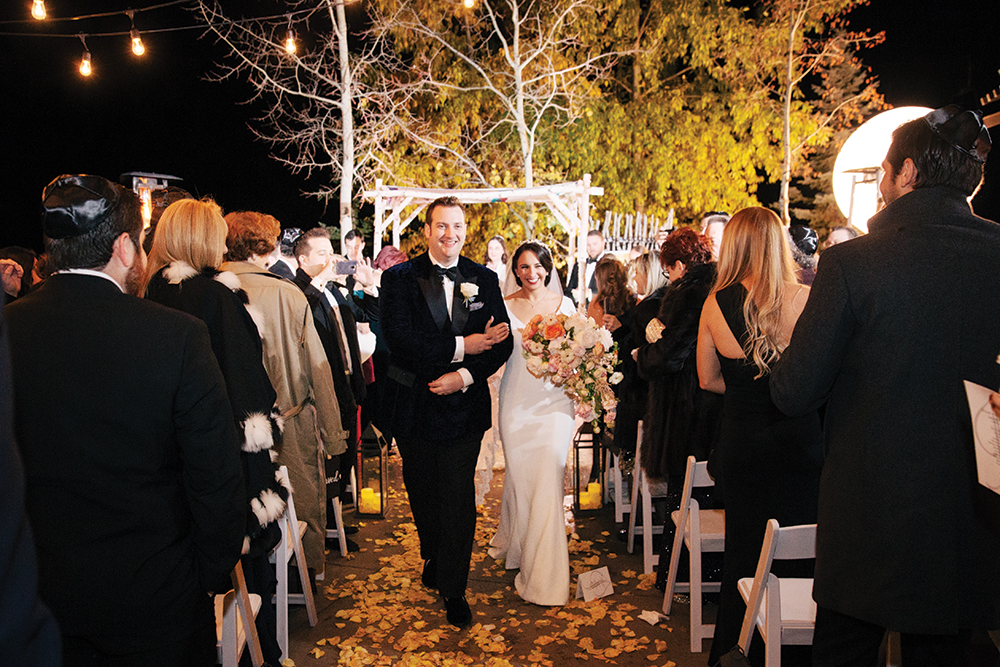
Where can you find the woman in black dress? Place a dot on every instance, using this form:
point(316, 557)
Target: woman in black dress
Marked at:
point(769, 463)
point(187, 249)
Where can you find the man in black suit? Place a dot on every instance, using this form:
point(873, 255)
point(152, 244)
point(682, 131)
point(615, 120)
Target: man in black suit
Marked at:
point(28, 634)
point(907, 538)
point(337, 329)
point(133, 482)
point(447, 328)
point(595, 251)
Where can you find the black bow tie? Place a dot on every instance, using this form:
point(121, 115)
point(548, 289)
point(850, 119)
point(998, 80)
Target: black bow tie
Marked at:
point(451, 273)
point(591, 260)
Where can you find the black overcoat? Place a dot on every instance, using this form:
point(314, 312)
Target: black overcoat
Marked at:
point(134, 489)
point(896, 320)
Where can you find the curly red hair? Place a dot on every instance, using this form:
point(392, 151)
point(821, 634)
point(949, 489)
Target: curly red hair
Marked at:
point(250, 233)
point(687, 246)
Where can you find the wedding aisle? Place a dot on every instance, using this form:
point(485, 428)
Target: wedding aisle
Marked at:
point(373, 609)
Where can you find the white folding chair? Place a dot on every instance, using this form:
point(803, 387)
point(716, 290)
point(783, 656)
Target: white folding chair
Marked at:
point(338, 532)
point(613, 474)
point(700, 531)
point(235, 617)
point(781, 608)
point(290, 547)
point(642, 501)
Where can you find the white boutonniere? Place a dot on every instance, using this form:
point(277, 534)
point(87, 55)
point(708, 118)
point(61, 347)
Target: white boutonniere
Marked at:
point(470, 291)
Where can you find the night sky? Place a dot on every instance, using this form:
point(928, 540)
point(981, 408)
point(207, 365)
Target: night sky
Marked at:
point(158, 114)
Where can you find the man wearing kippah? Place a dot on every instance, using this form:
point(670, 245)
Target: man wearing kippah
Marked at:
point(907, 539)
point(134, 487)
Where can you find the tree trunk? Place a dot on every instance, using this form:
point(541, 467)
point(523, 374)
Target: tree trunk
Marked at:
point(786, 132)
point(347, 118)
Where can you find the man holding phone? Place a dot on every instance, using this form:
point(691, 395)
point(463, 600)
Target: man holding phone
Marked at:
point(337, 326)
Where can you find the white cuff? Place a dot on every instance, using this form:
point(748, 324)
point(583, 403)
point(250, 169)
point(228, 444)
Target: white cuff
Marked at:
point(459, 355)
point(467, 378)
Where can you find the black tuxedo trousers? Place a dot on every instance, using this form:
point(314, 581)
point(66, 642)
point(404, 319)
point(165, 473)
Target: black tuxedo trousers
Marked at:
point(440, 481)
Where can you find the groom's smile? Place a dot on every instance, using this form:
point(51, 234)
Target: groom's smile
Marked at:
point(445, 234)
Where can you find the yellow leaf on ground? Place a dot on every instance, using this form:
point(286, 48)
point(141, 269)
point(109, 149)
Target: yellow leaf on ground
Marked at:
point(321, 642)
point(661, 645)
point(317, 653)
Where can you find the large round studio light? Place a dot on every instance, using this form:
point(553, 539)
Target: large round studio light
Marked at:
point(856, 172)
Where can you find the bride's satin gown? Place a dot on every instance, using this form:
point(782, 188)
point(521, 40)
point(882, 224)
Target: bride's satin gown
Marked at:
point(536, 428)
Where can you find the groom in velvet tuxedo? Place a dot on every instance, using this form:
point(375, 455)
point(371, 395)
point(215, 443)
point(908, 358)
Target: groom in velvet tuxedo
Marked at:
point(447, 328)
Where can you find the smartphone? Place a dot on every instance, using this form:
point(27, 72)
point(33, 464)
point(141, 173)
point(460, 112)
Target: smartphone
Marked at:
point(348, 268)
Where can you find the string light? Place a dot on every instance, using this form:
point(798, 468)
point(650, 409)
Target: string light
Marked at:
point(137, 46)
point(85, 68)
point(38, 10)
point(290, 42)
point(469, 4)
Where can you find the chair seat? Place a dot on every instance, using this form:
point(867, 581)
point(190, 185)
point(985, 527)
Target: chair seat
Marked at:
point(713, 529)
point(798, 609)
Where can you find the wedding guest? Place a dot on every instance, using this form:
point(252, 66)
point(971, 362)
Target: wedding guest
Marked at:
point(613, 308)
point(595, 251)
point(388, 257)
point(17, 267)
point(496, 257)
point(338, 331)
point(29, 634)
point(282, 260)
point(767, 464)
point(803, 243)
point(183, 274)
point(133, 482)
point(160, 200)
point(448, 331)
point(646, 277)
point(896, 321)
point(353, 244)
point(712, 226)
point(841, 234)
point(536, 421)
point(298, 369)
point(680, 418)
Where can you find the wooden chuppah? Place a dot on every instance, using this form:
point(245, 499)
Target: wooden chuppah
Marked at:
point(568, 202)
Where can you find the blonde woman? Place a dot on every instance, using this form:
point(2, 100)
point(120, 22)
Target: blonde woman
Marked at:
point(183, 274)
point(767, 463)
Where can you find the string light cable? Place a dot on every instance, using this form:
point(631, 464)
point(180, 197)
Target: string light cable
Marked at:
point(138, 48)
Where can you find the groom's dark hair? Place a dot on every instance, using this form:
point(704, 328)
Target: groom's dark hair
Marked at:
point(442, 202)
point(543, 254)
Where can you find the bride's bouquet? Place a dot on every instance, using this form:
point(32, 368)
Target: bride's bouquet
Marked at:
point(572, 352)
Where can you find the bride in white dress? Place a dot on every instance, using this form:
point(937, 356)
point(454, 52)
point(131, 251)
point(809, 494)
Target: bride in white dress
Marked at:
point(536, 428)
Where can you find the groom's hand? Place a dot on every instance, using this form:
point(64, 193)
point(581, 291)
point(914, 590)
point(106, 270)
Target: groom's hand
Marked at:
point(477, 343)
point(448, 383)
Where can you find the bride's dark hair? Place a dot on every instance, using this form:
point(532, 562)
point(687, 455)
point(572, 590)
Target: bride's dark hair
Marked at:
point(543, 254)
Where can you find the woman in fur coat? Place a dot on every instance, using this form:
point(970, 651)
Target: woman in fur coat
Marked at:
point(187, 249)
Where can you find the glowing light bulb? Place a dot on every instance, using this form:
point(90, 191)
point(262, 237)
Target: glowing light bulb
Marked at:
point(137, 46)
point(38, 9)
point(290, 42)
point(85, 68)
point(469, 4)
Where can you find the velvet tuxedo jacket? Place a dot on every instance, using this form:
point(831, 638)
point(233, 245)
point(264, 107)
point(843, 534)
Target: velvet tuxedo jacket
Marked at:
point(422, 344)
point(133, 481)
point(896, 320)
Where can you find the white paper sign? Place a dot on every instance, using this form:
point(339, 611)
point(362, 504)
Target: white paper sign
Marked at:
point(986, 429)
point(594, 584)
